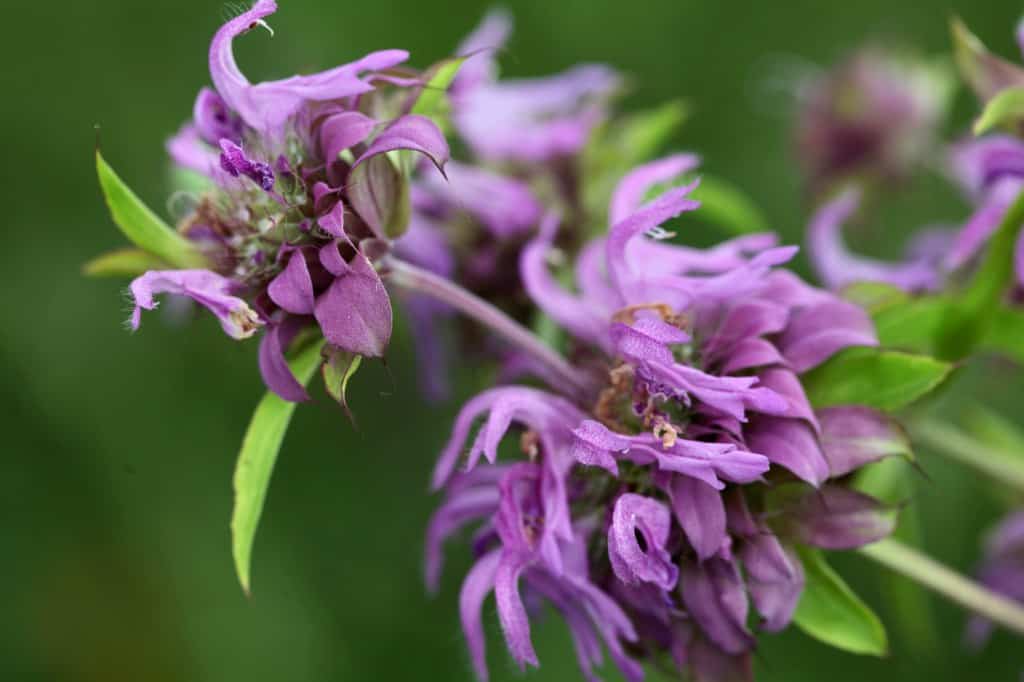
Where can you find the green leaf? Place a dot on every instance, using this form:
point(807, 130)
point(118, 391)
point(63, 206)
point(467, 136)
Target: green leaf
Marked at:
point(431, 100)
point(972, 313)
point(874, 297)
point(256, 460)
point(379, 192)
point(1005, 109)
point(912, 325)
point(884, 379)
point(831, 612)
point(123, 263)
point(338, 368)
point(143, 227)
point(1005, 334)
point(728, 207)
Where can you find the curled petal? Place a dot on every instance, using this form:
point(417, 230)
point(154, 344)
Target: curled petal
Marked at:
point(206, 288)
point(274, 369)
point(511, 613)
point(632, 189)
point(343, 130)
point(818, 332)
point(478, 584)
point(412, 132)
point(632, 564)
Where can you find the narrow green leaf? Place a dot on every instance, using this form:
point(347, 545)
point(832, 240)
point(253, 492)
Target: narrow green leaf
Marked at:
point(143, 227)
point(123, 263)
point(339, 366)
point(1005, 109)
point(728, 207)
point(256, 461)
point(1005, 334)
point(972, 314)
point(831, 612)
point(432, 97)
point(884, 379)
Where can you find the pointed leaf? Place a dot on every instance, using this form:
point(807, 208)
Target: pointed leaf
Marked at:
point(143, 227)
point(1005, 109)
point(431, 99)
point(728, 207)
point(831, 612)
point(912, 324)
point(124, 263)
point(256, 461)
point(339, 366)
point(984, 72)
point(884, 379)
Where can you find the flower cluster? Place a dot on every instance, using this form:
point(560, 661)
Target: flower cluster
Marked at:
point(650, 509)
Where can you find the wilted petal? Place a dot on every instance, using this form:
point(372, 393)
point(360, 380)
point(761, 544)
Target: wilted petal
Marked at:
point(698, 508)
point(355, 311)
point(206, 288)
point(854, 436)
point(632, 564)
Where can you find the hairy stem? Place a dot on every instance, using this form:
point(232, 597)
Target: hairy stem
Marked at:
point(563, 376)
point(923, 569)
point(1004, 468)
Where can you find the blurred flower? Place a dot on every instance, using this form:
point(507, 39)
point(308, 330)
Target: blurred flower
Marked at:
point(1002, 570)
point(637, 513)
point(873, 116)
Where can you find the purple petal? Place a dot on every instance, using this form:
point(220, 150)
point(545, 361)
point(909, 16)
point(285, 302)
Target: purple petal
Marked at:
point(479, 46)
point(343, 130)
point(775, 580)
point(820, 331)
point(235, 162)
point(478, 584)
point(187, 150)
point(333, 222)
point(457, 511)
point(632, 564)
point(835, 517)
point(206, 288)
point(714, 595)
point(837, 267)
point(274, 369)
point(854, 436)
point(292, 289)
point(511, 613)
point(790, 443)
point(631, 191)
point(355, 311)
point(413, 132)
point(214, 120)
point(699, 510)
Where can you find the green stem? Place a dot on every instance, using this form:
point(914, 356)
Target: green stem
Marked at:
point(1000, 466)
point(947, 583)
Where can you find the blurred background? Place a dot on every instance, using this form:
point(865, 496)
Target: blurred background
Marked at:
point(115, 488)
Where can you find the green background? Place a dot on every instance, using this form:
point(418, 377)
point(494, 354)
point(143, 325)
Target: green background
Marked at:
point(115, 481)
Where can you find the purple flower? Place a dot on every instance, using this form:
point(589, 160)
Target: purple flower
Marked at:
point(530, 120)
point(652, 488)
point(206, 288)
point(1001, 570)
point(873, 115)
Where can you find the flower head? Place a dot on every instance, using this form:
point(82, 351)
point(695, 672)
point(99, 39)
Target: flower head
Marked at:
point(649, 503)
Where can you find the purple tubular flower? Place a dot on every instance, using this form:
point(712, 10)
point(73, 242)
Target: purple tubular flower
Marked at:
point(266, 107)
point(210, 290)
point(702, 398)
point(1001, 570)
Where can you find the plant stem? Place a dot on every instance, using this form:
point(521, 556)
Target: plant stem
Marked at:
point(563, 376)
point(1001, 467)
point(947, 583)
